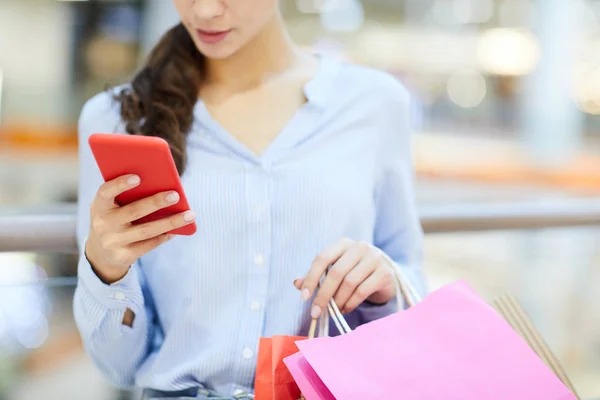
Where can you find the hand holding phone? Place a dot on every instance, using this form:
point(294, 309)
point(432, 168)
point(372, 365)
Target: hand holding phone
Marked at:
point(114, 243)
point(140, 206)
point(149, 158)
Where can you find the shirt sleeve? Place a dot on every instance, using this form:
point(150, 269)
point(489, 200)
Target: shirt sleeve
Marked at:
point(116, 349)
point(398, 230)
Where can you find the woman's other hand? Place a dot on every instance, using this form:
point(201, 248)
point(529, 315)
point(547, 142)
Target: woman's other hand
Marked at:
point(358, 273)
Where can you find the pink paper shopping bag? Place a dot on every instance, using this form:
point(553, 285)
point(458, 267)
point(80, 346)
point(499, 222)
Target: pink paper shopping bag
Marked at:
point(452, 345)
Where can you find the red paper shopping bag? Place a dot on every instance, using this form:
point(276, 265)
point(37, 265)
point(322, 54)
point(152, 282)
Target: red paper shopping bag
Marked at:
point(263, 380)
point(273, 380)
point(452, 345)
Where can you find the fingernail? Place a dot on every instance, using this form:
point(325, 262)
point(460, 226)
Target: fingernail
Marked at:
point(189, 216)
point(315, 312)
point(133, 180)
point(170, 236)
point(172, 197)
point(305, 294)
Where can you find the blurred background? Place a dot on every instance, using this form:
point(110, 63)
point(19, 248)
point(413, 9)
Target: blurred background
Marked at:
point(507, 155)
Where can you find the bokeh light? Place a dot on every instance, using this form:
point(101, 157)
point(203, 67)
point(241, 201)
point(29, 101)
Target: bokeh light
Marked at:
point(467, 88)
point(505, 51)
point(23, 309)
point(586, 88)
point(36, 334)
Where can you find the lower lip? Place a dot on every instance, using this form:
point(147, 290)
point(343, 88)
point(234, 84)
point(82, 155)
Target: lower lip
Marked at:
point(212, 38)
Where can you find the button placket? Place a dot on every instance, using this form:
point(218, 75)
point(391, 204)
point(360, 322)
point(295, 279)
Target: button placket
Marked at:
point(258, 241)
point(255, 305)
point(259, 259)
point(247, 353)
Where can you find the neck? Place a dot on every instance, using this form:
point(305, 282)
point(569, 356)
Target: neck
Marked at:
point(269, 53)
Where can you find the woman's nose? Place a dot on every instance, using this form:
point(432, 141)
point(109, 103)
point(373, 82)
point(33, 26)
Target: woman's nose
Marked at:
point(208, 9)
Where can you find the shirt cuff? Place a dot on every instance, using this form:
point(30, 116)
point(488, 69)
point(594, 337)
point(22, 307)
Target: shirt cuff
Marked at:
point(125, 293)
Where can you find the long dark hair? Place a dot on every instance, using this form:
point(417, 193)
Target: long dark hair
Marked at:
point(160, 101)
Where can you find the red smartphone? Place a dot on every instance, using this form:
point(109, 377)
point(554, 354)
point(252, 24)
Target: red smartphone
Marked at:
point(148, 157)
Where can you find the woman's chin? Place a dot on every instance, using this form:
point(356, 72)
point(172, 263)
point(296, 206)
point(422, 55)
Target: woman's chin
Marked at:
point(219, 51)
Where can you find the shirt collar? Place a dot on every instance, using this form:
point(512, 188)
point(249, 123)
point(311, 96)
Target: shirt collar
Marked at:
point(320, 87)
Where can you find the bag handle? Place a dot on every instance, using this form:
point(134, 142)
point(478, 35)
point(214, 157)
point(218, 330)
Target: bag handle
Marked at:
point(404, 290)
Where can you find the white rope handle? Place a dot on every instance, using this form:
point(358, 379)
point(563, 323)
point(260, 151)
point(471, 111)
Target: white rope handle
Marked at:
point(405, 291)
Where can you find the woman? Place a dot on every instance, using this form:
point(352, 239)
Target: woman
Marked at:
point(291, 163)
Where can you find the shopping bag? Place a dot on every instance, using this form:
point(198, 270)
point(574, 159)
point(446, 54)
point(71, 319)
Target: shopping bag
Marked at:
point(273, 380)
point(509, 308)
point(308, 381)
point(452, 345)
point(263, 379)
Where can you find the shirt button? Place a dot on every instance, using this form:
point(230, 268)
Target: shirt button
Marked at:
point(255, 305)
point(247, 353)
point(259, 259)
point(118, 296)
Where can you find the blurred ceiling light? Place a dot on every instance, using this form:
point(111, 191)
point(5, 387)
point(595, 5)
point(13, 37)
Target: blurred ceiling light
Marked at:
point(473, 11)
point(348, 16)
point(506, 51)
point(467, 88)
point(516, 13)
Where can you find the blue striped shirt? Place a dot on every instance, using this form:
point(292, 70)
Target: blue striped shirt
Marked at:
point(341, 168)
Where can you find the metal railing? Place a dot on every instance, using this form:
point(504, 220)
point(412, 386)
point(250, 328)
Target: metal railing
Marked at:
point(52, 228)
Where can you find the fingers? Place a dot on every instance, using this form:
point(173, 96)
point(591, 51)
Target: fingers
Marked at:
point(337, 275)
point(105, 197)
point(369, 286)
point(357, 273)
point(146, 206)
point(320, 264)
point(127, 255)
point(354, 278)
point(150, 230)
point(298, 282)
point(114, 243)
point(143, 247)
